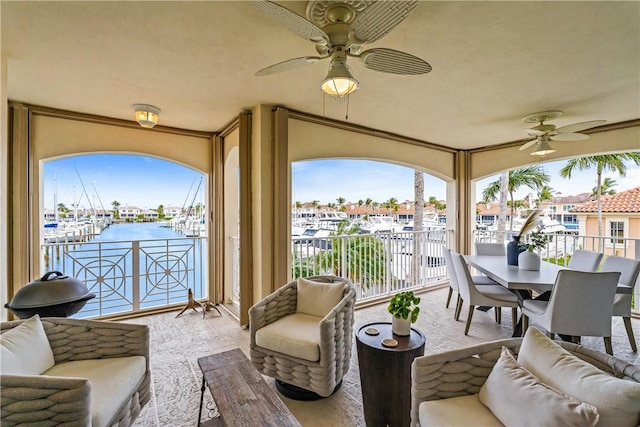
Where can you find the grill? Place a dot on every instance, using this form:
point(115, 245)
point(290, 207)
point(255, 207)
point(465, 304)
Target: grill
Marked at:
point(52, 295)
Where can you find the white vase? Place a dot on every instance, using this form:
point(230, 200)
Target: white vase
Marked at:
point(529, 261)
point(401, 327)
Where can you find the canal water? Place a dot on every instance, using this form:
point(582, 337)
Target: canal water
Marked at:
point(131, 267)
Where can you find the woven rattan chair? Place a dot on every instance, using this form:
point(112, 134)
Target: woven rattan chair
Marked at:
point(322, 376)
point(50, 400)
point(463, 372)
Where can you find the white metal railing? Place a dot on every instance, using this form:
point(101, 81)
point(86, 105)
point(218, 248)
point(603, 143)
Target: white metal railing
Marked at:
point(129, 276)
point(380, 264)
point(235, 270)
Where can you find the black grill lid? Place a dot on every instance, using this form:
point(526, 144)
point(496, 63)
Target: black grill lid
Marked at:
point(51, 289)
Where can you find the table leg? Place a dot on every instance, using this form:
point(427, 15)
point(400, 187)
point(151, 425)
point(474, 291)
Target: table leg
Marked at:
point(201, 400)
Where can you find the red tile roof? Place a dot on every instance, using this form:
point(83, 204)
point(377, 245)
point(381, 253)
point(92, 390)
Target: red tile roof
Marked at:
point(625, 201)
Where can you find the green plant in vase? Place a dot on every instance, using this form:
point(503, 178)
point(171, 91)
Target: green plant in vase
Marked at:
point(405, 308)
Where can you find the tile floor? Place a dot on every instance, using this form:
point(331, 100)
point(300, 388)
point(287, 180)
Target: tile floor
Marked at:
point(177, 343)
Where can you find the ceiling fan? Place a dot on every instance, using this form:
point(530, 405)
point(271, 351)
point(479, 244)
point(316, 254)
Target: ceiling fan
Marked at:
point(339, 29)
point(543, 132)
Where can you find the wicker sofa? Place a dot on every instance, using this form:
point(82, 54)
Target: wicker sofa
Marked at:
point(441, 379)
point(63, 395)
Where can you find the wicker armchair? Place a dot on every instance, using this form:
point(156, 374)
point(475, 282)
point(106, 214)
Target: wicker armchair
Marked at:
point(50, 400)
point(463, 372)
point(336, 335)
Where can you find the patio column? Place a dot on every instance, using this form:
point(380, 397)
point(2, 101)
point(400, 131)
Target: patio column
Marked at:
point(465, 210)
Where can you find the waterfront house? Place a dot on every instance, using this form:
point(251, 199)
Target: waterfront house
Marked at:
point(129, 212)
point(71, 71)
point(561, 208)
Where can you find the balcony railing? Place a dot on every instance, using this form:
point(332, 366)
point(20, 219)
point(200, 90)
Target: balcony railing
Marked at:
point(130, 276)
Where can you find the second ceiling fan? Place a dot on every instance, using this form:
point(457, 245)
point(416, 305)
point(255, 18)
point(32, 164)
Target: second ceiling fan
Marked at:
point(339, 30)
point(544, 132)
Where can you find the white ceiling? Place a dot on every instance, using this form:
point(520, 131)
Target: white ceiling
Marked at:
point(493, 63)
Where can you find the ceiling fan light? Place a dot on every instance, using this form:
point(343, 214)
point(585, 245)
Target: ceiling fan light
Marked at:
point(542, 149)
point(339, 81)
point(146, 115)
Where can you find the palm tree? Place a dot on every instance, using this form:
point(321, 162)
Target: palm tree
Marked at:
point(392, 204)
point(418, 216)
point(545, 193)
point(341, 200)
point(160, 211)
point(533, 177)
point(606, 188)
point(116, 213)
point(602, 163)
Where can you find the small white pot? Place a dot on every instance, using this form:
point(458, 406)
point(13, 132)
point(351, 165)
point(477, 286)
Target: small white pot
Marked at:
point(401, 327)
point(529, 261)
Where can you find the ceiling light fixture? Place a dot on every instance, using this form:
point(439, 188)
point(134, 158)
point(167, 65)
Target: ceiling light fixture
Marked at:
point(542, 148)
point(146, 115)
point(339, 81)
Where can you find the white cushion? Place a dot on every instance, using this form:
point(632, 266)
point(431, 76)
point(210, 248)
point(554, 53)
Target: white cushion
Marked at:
point(617, 400)
point(318, 299)
point(297, 335)
point(456, 411)
point(113, 382)
point(517, 398)
point(25, 349)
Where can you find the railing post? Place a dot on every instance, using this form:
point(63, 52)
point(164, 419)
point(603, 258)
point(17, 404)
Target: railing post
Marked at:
point(343, 258)
point(387, 284)
point(135, 274)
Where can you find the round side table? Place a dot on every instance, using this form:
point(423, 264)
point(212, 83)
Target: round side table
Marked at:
point(385, 374)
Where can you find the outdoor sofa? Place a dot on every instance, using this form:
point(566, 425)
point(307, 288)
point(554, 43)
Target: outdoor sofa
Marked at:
point(73, 372)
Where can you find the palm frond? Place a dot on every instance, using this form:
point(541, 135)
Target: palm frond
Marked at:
point(530, 222)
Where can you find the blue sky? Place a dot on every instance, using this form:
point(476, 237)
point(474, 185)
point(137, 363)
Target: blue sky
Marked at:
point(147, 182)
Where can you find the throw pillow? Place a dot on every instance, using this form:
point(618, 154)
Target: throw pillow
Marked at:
point(517, 398)
point(316, 298)
point(25, 349)
point(617, 400)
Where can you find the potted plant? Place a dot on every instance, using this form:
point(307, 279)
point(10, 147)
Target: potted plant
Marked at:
point(405, 309)
point(529, 260)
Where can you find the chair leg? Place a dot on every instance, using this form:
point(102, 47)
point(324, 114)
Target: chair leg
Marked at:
point(514, 317)
point(469, 316)
point(456, 316)
point(449, 297)
point(632, 339)
point(607, 345)
point(525, 323)
point(498, 313)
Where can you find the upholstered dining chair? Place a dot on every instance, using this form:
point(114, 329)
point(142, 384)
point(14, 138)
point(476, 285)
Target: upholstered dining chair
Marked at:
point(490, 249)
point(629, 270)
point(581, 304)
point(582, 260)
point(487, 295)
point(453, 284)
point(301, 335)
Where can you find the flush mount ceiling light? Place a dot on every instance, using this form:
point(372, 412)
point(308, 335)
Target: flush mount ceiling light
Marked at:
point(542, 148)
point(146, 115)
point(339, 81)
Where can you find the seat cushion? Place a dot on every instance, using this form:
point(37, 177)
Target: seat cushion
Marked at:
point(25, 349)
point(617, 400)
point(516, 396)
point(297, 335)
point(456, 411)
point(482, 280)
point(113, 382)
point(498, 292)
point(317, 298)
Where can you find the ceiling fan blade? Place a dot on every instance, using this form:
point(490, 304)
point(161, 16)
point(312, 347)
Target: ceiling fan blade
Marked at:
point(528, 144)
point(577, 127)
point(379, 18)
point(293, 22)
point(393, 61)
point(534, 132)
point(569, 137)
point(289, 64)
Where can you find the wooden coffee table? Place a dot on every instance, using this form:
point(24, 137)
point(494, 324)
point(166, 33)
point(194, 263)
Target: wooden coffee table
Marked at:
point(240, 393)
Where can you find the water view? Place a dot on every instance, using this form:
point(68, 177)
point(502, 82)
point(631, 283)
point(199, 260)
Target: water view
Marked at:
point(132, 267)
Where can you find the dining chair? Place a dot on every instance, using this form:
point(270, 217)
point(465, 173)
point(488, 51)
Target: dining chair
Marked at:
point(582, 260)
point(487, 295)
point(490, 249)
point(629, 270)
point(453, 284)
point(581, 304)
